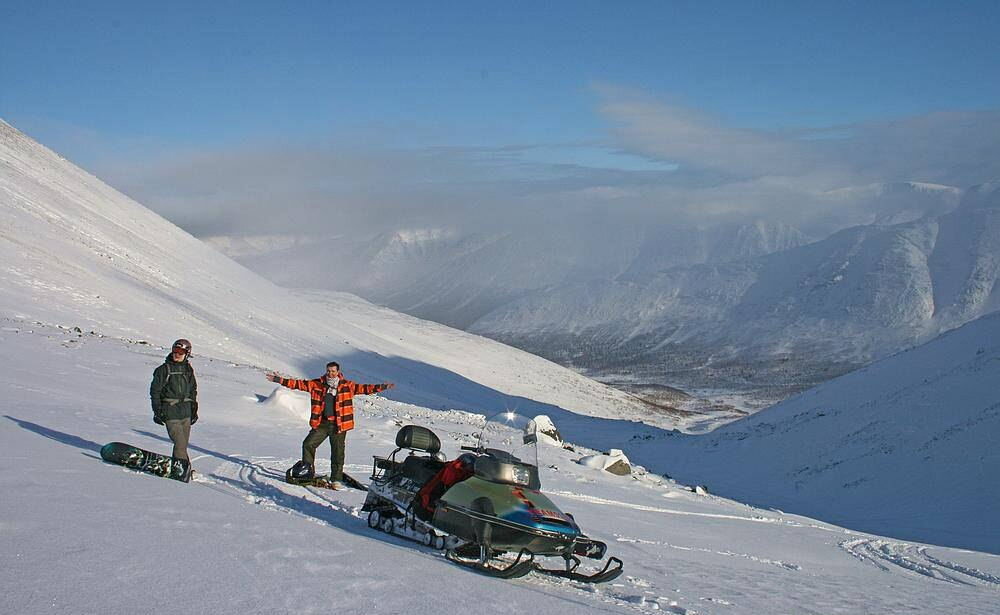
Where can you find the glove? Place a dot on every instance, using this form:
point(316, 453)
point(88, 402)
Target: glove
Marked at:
point(157, 419)
point(194, 412)
point(157, 414)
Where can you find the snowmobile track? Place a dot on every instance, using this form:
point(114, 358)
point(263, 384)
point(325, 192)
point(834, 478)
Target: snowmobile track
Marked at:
point(886, 554)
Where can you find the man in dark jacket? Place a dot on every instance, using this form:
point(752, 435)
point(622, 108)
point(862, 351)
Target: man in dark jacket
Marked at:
point(331, 416)
point(174, 396)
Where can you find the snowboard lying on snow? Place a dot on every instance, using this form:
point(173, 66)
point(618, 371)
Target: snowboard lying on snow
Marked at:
point(147, 461)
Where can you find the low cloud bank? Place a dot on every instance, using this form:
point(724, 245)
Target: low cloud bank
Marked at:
point(700, 171)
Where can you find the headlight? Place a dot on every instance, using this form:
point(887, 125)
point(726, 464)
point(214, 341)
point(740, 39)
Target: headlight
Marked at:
point(521, 475)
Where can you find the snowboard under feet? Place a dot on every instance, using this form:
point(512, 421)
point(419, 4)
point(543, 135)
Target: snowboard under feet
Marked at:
point(324, 482)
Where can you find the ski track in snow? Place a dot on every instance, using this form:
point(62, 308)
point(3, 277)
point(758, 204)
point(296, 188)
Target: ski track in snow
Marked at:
point(887, 554)
point(670, 511)
point(264, 485)
point(753, 558)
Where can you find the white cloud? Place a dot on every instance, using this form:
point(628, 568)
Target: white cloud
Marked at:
point(661, 163)
point(786, 176)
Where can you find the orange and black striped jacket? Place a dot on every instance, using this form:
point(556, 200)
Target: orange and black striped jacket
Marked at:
point(343, 406)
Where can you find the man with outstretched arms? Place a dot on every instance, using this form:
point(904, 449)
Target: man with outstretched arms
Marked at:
point(331, 416)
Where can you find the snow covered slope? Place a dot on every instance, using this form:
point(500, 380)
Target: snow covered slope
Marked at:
point(76, 253)
point(82, 536)
point(906, 446)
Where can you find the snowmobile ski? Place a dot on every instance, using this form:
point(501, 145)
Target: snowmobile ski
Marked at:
point(612, 569)
point(522, 565)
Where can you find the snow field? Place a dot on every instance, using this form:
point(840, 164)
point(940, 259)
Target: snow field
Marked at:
point(81, 535)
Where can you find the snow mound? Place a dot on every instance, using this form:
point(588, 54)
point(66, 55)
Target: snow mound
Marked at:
point(614, 462)
point(294, 403)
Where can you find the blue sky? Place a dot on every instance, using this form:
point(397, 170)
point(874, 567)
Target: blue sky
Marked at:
point(113, 84)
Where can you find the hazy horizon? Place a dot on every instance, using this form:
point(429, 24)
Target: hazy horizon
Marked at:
point(256, 119)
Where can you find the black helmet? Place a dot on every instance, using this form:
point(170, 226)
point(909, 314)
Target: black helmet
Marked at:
point(182, 344)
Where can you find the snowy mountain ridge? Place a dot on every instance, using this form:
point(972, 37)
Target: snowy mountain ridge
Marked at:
point(77, 253)
point(897, 202)
point(794, 317)
point(457, 278)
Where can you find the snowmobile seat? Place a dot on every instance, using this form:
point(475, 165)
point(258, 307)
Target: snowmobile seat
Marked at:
point(417, 438)
point(420, 469)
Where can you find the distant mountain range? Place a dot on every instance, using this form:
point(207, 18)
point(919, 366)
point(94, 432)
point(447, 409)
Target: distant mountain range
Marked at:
point(458, 278)
point(757, 306)
point(789, 318)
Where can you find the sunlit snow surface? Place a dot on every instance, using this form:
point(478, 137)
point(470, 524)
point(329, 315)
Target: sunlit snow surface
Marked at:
point(83, 536)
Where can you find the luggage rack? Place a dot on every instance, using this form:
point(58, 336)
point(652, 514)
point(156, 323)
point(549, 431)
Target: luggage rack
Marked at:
point(380, 465)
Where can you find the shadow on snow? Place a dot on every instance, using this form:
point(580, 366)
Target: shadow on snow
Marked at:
point(58, 436)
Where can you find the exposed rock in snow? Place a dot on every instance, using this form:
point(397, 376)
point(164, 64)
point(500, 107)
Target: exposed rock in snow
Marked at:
point(547, 430)
point(614, 462)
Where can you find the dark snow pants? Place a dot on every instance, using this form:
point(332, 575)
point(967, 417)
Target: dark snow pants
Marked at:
point(179, 431)
point(338, 442)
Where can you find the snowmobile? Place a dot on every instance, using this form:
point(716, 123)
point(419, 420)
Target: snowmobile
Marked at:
point(484, 509)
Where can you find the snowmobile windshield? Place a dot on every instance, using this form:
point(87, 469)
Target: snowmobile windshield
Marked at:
point(510, 441)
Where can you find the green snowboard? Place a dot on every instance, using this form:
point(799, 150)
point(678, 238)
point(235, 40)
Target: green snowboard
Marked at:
point(147, 461)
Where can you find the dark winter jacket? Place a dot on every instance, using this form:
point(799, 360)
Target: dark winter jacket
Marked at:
point(174, 391)
point(343, 406)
